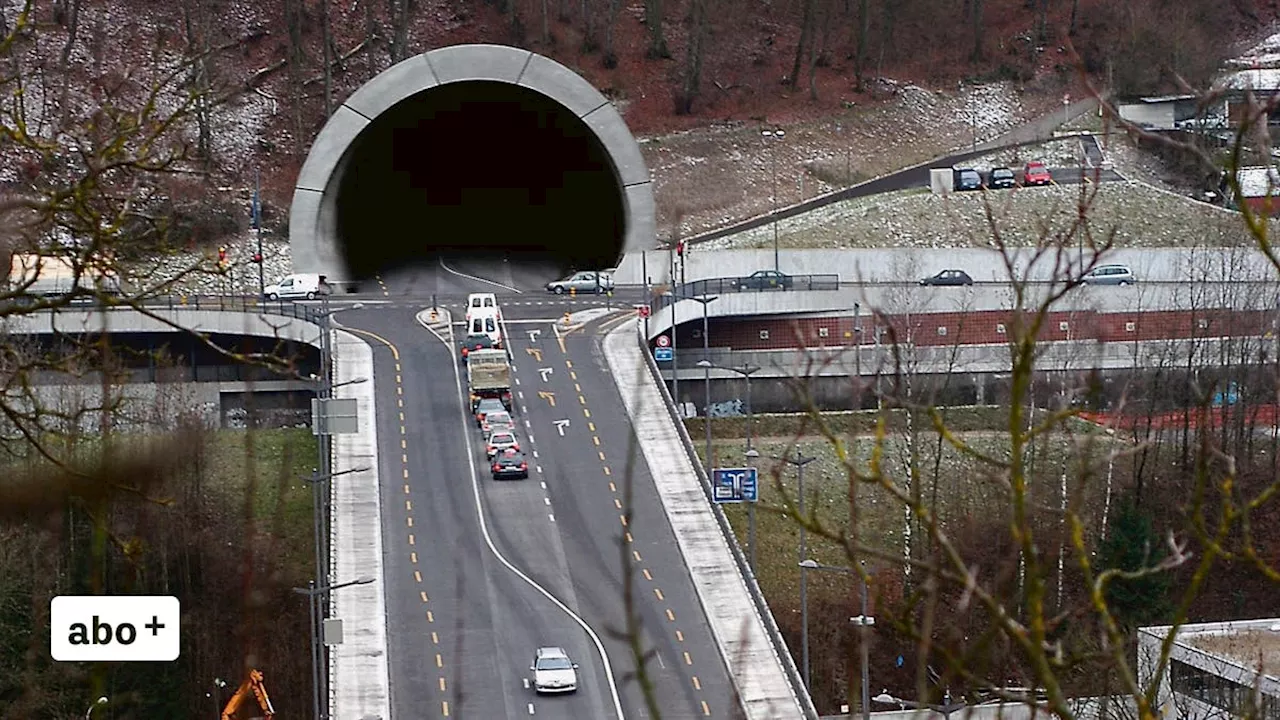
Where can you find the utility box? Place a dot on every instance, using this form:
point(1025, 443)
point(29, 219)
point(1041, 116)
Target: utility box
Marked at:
point(331, 631)
point(942, 180)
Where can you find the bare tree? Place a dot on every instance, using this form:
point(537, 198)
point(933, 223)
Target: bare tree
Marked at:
point(610, 57)
point(691, 86)
point(807, 12)
point(657, 39)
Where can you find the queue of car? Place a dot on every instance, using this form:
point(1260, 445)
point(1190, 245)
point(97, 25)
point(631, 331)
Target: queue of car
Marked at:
point(1110, 274)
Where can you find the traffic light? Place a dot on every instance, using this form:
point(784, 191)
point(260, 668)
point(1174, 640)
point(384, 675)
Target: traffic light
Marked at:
point(680, 248)
point(222, 254)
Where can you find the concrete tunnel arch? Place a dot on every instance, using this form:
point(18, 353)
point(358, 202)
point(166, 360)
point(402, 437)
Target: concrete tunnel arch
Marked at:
point(345, 224)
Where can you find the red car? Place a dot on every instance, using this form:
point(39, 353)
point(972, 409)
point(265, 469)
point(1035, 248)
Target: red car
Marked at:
point(1035, 173)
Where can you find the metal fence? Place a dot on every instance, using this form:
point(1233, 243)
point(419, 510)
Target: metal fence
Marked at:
point(739, 558)
point(725, 285)
point(225, 303)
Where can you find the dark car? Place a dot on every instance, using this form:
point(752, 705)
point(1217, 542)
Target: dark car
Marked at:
point(765, 280)
point(1001, 178)
point(949, 277)
point(1035, 173)
point(486, 406)
point(968, 179)
point(476, 342)
point(509, 464)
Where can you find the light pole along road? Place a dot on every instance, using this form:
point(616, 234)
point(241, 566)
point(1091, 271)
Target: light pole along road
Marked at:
point(471, 596)
point(863, 621)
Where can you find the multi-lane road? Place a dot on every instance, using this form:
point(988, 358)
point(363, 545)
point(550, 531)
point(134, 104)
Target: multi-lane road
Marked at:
point(480, 573)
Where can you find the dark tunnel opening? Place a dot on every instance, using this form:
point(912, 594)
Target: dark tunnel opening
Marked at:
point(478, 169)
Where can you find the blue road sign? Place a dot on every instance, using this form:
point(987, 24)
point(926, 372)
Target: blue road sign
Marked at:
point(734, 485)
point(663, 354)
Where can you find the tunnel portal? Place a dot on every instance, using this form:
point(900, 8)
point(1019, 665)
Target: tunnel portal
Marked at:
point(471, 150)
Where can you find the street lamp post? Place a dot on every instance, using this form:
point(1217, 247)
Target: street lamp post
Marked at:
point(752, 455)
point(705, 364)
point(799, 461)
point(313, 594)
point(863, 622)
point(773, 162)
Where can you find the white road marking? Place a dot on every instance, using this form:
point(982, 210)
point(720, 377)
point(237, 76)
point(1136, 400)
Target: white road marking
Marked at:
point(535, 453)
point(520, 393)
point(478, 279)
point(553, 519)
point(530, 708)
point(526, 684)
point(543, 484)
point(516, 379)
point(561, 425)
point(546, 500)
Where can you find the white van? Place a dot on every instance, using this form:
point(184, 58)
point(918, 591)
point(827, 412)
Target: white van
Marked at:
point(486, 324)
point(305, 285)
point(482, 304)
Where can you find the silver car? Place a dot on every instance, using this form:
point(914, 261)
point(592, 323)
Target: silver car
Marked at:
point(553, 671)
point(585, 281)
point(1109, 275)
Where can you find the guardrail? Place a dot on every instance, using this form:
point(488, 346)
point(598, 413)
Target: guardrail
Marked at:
point(227, 303)
point(745, 284)
point(739, 558)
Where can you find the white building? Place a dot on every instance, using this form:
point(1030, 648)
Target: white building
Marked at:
point(1215, 670)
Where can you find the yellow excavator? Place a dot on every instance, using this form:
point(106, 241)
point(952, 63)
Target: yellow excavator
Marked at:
point(251, 690)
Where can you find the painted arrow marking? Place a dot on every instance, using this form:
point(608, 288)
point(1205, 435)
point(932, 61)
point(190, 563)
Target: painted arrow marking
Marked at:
point(544, 372)
point(549, 397)
point(533, 335)
point(561, 425)
point(535, 352)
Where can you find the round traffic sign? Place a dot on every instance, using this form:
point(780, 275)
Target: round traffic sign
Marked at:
point(663, 341)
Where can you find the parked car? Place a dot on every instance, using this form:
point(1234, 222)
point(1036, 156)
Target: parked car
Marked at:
point(486, 406)
point(497, 422)
point(509, 463)
point(553, 671)
point(500, 440)
point(967, 179)
point(765, 280)
point(948, 277)
point(1035, 173)
point(585, 281)
point(478, 341)
point(1001, 178)
point(304, 285)
point(1109, 275)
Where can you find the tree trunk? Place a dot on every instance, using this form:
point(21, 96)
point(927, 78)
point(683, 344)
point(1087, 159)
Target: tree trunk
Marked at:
point(610, 59)
point(370, 37)
point(657, 41)
point(978, 30)
point(293, 22)
point(398, 12)
point(327, 32)
point(589, 42)
point(546, 23)
point(693, 59)
point(806, 29)
point(1042, 23)
point(71, 13)
point(860, 49)
point(196, 47)
point(815, 50)
point(1075, 12)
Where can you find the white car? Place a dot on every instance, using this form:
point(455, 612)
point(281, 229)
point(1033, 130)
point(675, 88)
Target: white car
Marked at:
point(482, 304)
point(553, 671)
point(297, 286)
point(487, 324)
point(501, 440)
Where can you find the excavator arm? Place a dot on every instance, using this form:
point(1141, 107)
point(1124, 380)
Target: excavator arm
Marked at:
point(252, 687)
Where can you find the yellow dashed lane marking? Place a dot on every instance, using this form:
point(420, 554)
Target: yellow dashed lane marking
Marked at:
point(408, 505)
point(636, 554)
point(595, 439)
point(397, 377)
point(586, 412)
point(658, 593)
point(417, 576)
point(445, 704)
point(406, 477)
point(413, 558)
point(697, 684)
point(617, 503)
point(577, 387)
point(573, 375)
point(606, 470)
point(623, 518)
point(410, 538)
point(400, 391)
point(627, 536)
point(423, 595)
point(687, 660)
point(679, 636)
point(404, 459)
point(582, 400)
point(647, 576)
point(601, 454)
point(612, 487)
point(404, 445)
point(706, 709)
point(399, 402)
point(406, 487)
point(435, 639)
point(430, 618)
point(441, 684)
point(568, 364)
point(410, 521)
point(670, 615)
point(591, 426)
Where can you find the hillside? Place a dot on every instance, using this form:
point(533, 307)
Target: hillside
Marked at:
point(881, 84)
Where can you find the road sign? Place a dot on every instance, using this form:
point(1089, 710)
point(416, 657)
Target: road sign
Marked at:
point(733, 485)
point(663, 354)
point(662, 341)
point(642, 310)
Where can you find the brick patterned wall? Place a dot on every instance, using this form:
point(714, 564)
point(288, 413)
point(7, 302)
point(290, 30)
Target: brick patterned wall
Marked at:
point(974, 328)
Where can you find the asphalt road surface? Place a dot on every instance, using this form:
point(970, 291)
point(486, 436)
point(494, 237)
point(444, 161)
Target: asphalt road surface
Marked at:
point(463, 625)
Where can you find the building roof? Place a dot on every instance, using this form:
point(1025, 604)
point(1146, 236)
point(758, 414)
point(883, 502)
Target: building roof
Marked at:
point(1168, 98)
point(1251, 645)
point(1258, 79)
